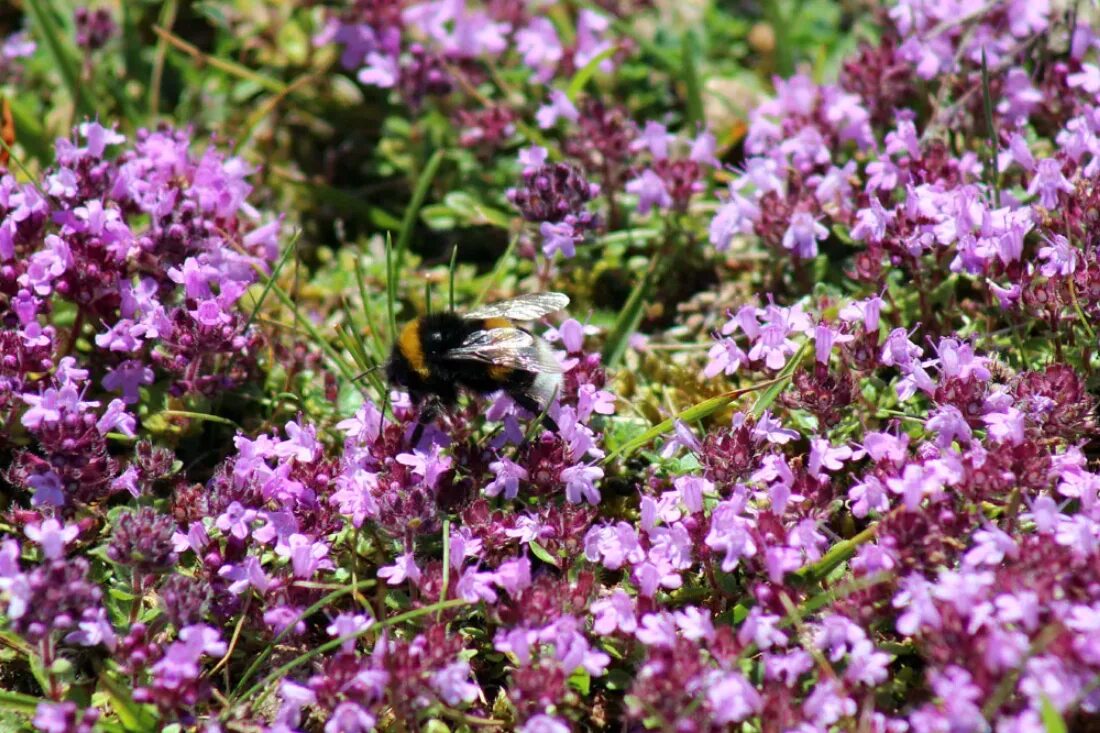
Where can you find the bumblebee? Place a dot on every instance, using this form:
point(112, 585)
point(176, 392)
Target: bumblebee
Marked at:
point(482, 351)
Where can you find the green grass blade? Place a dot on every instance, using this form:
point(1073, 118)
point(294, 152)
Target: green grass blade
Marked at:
point(586, 72)
point(391, 290)
point(318, 338)
point(62, 54)
point(232, 68)
point(692, 86)
point(17, 702)
point(451, 279)
point(265, 685)
point(133, 717)
point(375, 335)
point(1052, 719)
point(322, 603)
point(274, 276)
point(29, 133)
point(202, 416)
point(446, 565)
point(765, 400)
point(420, 192)
point(498, 272)
point(704, 409)
point(840, 552)
point(630, 316)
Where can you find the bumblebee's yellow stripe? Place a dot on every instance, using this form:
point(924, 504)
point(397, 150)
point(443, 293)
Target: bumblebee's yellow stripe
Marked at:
point(409, 345)
point(499, 373)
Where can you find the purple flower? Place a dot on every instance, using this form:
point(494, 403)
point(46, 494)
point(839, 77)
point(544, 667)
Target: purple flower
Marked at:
point(559, 107)
point(143, 540)
point(692, 489)
point(730, 533)
point(826, 704)
point(991, 547)
point(64, 717)
point(614, 613)
point(651, 191)
point(51, 536)
point(1060, 256)
point(542, 723)
point(724, 357)
point(306, 556)
point(613, 545)
point(453, 685)
point(349, 717)
point(655, 138)
point(1006, 427)
point(1047, 182)
point(731, 698)
point(559, 237)
point(532, 158)
point(507, 475)
point(347, 624)
point(803, 234)
point(825, 456)
point(735, 216)
point(355, 495)
point(403, 569)
point(657, 630)
point(540, 47)
point(429, 466)
point(580, 484)
point(247, 574)
point(236, 520)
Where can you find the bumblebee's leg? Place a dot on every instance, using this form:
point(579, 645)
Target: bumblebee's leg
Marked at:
point(528, 403)
point(429, 411)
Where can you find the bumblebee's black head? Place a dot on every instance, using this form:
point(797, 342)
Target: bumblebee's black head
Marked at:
point(421, 344)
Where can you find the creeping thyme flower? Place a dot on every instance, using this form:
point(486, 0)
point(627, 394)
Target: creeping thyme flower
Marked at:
point(556, 196)
point(94, 28)
point(142, 540)
point(57, 598)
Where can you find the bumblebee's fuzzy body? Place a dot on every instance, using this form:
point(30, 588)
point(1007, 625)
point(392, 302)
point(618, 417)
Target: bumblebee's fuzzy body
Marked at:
point(419, 362)
point(483, 351)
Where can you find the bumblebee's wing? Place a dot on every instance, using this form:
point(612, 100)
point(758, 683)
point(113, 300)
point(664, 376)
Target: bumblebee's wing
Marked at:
point(524, 308)
point(507, 347)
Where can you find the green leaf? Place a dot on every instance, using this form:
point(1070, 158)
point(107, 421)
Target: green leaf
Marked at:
point(585, 73)
point(462, 208)
point(581, 681)
point(1052, 719)
point(28, 131)
point(133, 717)
point(839, 553)
point(17, 702)
point(640, 235)
point(543, 554)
